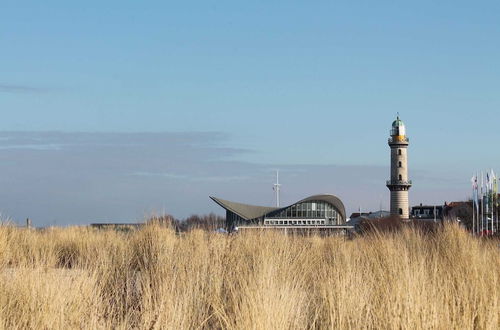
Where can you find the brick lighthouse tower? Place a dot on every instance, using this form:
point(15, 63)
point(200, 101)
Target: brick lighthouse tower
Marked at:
point(399, 184)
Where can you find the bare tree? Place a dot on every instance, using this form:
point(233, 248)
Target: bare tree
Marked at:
point(461, 211)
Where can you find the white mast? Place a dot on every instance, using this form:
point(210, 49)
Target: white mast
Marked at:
point(482, 204)
point(473, 180)
point(276, 188)
point(477, 206)
point(495, 200)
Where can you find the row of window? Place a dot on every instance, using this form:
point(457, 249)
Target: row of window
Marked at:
point(400, 164)
point(315, 222)
point(426, 212)
point(312, 209)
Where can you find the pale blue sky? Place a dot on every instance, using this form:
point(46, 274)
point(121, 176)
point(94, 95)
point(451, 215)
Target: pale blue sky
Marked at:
point(280, 84)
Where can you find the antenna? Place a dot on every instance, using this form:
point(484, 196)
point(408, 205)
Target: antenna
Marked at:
point(276, 188)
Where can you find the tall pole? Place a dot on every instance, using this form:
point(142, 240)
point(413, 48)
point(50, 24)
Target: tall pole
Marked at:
point(474, 199)
point(490, 196)
point(477, 206)
point(486, 204)
point(277, 189)
point(497, 208)
point(473, 208)
point(496, 195)
point(494, 219)
point(492, 199)
point(493, 196)
point(482, 204)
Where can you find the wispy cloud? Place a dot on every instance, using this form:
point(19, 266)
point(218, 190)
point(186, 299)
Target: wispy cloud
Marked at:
point(84, 177)
point(10, 88)
point(33, 146)
point(193, 178)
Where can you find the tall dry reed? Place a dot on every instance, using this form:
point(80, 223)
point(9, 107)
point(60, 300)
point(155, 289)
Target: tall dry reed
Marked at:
point(155, 279)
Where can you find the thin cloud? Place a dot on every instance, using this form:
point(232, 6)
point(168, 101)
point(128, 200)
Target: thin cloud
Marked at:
point(33, 146)
point(9, 88)
point(193, 178)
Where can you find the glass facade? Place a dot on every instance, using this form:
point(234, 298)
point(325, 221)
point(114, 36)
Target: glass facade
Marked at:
point(233, 220)
point(306, 213)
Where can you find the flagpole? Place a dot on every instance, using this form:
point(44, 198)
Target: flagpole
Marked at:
point(473, 202)
point(495, 209)
point(490, 199)
point(493, 201)
point(473, 209)
point(487, 199)
point(479, 204)
point(492, 183)
point(482, 204)
point(495, 196)
point(487, 204)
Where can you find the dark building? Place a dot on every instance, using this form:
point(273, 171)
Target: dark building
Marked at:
point(427, 212)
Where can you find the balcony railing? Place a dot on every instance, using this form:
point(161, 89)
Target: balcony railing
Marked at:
point(396, 139)
point(399, 183)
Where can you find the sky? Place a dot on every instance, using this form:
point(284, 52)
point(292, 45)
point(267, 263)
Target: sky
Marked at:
point(116, 110)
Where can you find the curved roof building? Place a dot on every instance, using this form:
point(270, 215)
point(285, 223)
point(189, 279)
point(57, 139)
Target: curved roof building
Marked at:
point(317, 210)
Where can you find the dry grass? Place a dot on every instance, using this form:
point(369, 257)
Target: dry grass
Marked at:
point(153, 279)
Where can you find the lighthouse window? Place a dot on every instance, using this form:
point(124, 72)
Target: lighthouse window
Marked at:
point(399, 164)
point(399, 152)
point(400, 211)
point(400, 177)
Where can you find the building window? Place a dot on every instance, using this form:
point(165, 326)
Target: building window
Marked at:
point(400, 211)
point(400, 177)
point(400, 164)
point(302, 213)
point(399, 152)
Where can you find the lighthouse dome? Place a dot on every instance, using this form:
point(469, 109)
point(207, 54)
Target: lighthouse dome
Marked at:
point(397, 123)
point(398, 128)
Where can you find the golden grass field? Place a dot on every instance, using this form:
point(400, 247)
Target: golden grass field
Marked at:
point(66, 278)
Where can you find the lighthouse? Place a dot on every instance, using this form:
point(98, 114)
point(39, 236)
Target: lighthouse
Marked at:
point(399, 184)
